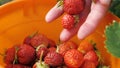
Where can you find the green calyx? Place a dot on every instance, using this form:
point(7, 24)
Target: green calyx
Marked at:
point(60, 3)
point(76, 19)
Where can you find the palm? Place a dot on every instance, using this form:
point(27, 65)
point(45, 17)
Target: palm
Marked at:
point(93, 12)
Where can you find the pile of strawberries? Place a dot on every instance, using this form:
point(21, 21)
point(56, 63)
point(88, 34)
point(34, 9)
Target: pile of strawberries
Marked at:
point(38, 51)
point(72, 9)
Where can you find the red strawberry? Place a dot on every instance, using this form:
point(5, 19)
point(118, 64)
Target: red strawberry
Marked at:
point(16, 66)
point(64, 47)
point(10, 55)
point(68, 21)
point(41, 48)
point(91, 56)
point(52, 49)
point(26, 54)
point(53, 59)
point(51, 43)
point(39, 39)
point(40, 63)
point(73, 6)
point(85, 46)
point(88, 64)
point(27, 40)
point(73, 58)
point(9, 66)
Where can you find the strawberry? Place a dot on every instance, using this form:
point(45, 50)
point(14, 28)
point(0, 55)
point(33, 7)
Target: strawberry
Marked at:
point(73, 6)
point(91, 56)
point(40, 63)
point(27, 40)
point(53, 59)
point(51, 43)
point(10, 55)
point(88, 64)
point(16, 66)
point(85, 46)
point(52, 49)
point(26, 54)
point(9, 66)
point(73, 58)
point(41, 48)
point(68, 21)
point(64, 47)
point(39, 39)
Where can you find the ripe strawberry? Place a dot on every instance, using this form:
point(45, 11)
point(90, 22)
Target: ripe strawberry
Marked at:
point(91, 56)
point(85, 46)
point(73, 6)
point(53, 59)
point(73, 58)
point(88, 64)
point(64, 47)
point(9, 66)
point(27, 40)
point(51, 43)
point(40, 63)
point(52, 49)
point(26, 54)
point(68, 21)
point(16, 66)
point(39, 39)
point(10, 55)
point(41, 48)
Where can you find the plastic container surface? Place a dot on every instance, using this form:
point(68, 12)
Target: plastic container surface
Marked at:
point(20, 18)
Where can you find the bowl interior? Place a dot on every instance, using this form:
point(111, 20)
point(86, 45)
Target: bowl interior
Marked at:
point(20, 21)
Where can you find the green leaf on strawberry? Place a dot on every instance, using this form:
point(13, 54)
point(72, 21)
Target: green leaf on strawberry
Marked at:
point(112, 34)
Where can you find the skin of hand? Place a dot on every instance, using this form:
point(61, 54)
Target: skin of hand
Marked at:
point(89, 18)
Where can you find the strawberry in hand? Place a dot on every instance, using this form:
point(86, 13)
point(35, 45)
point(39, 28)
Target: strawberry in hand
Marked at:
point(69, 21)
point(73, 6)
point(90, 16)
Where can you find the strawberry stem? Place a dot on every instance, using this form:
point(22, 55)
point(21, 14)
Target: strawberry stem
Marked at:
point(41, 58)
point(16, 58)
point(32, 35)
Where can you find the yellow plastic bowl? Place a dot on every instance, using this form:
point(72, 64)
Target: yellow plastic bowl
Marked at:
point(20, 18)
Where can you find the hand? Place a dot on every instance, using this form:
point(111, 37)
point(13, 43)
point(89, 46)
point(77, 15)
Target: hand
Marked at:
point(89, 18)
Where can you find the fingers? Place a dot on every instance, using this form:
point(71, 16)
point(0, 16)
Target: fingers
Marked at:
point(97, 13)
point(54, 13)
point(67, 34)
